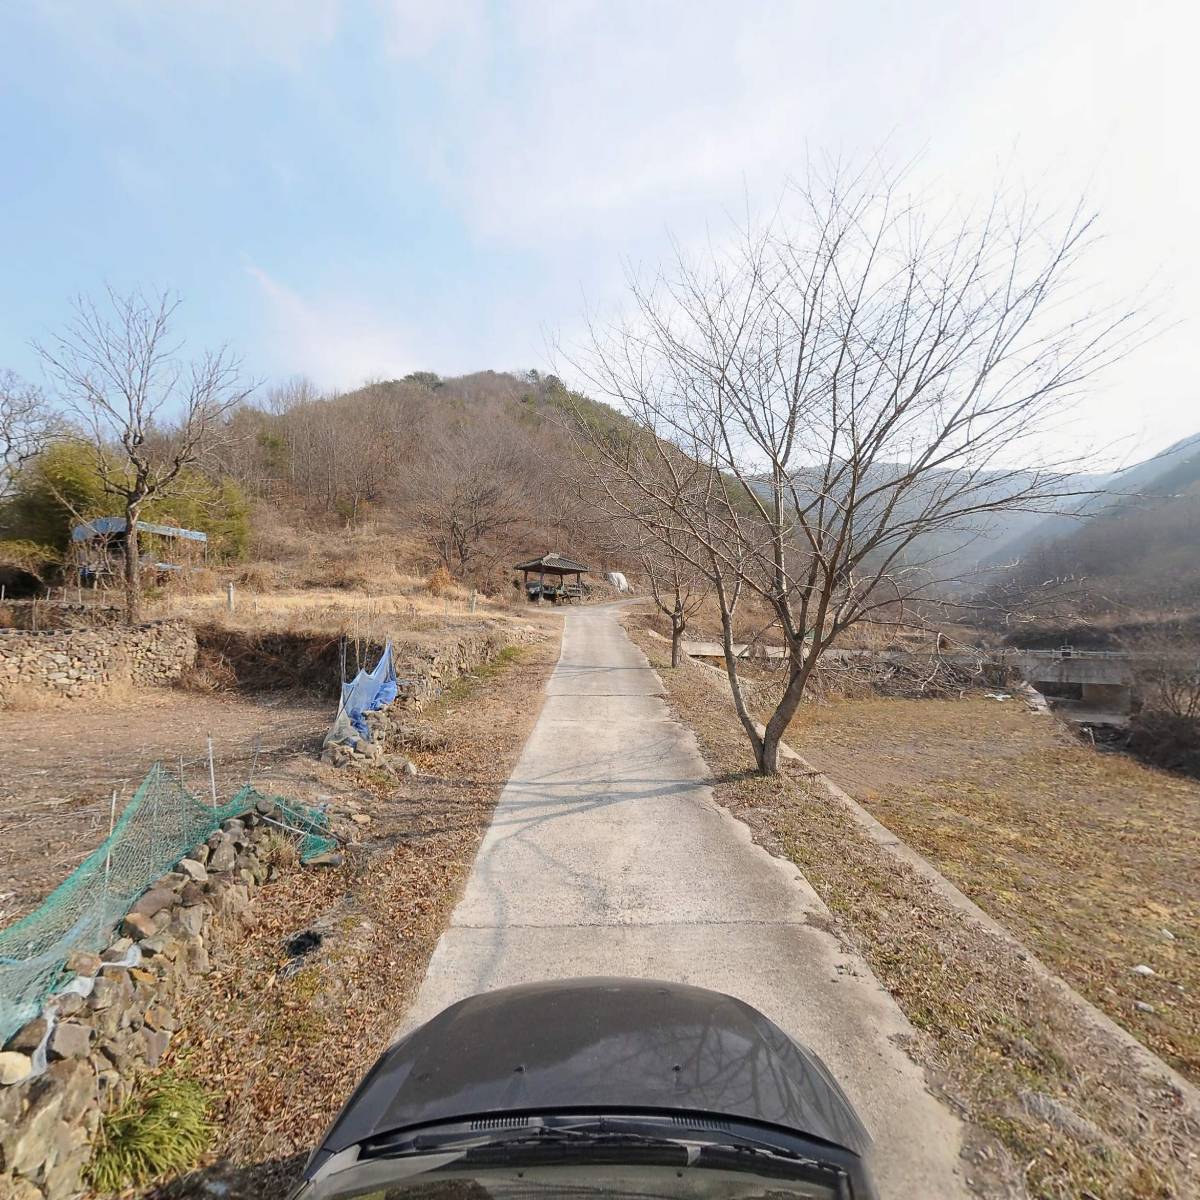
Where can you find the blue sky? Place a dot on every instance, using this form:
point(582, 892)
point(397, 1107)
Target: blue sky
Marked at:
point(353, 190)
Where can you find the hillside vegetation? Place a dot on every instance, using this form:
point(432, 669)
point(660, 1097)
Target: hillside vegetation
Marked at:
point(466, 474)
point(470, 474)
point(1138, 547)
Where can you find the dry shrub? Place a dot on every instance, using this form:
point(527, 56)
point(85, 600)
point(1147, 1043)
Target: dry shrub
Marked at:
point(281, 851)
point(200, 580)
point(258, 577)
point(1166, 740)
point(440, 582)
point(273, 660)
point(345, 577)
point(6, 617)
point(213, 674)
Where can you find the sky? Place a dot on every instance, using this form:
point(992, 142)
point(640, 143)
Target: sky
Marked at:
point(359, 189)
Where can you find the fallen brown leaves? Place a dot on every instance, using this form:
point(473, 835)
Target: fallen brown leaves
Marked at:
point(282, 1050)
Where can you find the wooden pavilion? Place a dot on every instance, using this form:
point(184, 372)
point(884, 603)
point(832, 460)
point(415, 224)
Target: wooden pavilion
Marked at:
point(557, 567)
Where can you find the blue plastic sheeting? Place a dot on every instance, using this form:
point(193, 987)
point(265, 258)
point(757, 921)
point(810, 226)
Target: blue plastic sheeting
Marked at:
point(367, 691)
point(117, 525)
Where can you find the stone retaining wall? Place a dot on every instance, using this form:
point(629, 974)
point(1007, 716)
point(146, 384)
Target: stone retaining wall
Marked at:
point(423, 675)
point(116, 1018)
point(78, 662)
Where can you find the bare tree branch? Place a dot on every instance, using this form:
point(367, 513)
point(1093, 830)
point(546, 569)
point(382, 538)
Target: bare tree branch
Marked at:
point(146, 414)
point(828, 403)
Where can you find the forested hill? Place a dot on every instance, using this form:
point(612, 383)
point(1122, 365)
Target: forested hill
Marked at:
point(1137, 544)
point(471, 471)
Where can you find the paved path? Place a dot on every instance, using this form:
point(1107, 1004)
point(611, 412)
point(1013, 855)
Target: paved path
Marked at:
point(607, 855)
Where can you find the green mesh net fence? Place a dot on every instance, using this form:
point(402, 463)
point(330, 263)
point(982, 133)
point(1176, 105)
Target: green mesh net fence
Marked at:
point(159, 826)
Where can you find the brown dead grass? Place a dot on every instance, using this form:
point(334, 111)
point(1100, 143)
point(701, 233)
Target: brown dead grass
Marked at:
point(363, 616)
point(61, 767)
point(1056, 1110)
point(283, 1054)
point(1087, 856)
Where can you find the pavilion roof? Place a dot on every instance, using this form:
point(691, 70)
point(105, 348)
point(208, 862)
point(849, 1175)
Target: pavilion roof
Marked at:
point(553, 563)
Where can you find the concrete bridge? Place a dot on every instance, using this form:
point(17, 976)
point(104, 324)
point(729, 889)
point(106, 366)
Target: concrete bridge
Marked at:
point(1104, 677)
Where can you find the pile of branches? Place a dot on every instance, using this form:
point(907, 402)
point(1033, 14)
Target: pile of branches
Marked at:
point(877, 675)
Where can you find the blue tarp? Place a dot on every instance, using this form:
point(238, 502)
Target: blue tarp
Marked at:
point(367, 691)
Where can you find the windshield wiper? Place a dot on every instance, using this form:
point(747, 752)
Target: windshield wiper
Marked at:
point(591, 1137)
point(466, 1142)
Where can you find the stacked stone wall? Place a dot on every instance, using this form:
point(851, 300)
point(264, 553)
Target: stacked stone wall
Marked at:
point(114, 1020)
point(80, 662)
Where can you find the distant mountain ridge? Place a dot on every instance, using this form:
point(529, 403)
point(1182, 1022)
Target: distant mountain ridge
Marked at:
point(1156, 478)
point(1137, 542)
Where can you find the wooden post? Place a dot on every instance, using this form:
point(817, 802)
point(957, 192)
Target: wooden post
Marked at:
point(229, 597)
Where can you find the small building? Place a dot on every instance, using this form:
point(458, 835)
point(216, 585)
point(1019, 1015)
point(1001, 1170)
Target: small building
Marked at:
point(98, 548)
point(545, 578)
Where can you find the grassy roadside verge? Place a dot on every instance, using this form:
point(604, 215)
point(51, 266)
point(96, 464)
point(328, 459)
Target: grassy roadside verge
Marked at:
point(1091, 858)
point(1058, 1111)
point(280, 1039)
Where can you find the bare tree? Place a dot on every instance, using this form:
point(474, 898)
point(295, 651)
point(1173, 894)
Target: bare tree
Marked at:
point(26, 424)
point(677, 589)
point(146, 414)
point(468, 493)
point(832, 404)
point(1167, 670)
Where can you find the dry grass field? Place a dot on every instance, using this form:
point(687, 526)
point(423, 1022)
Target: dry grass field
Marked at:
point(1054, 1110)
point(1089, 857)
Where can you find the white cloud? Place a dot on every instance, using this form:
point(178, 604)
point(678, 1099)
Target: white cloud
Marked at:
point(563, 137)
point(338, 344)
point(417, 28)
point(580, 132)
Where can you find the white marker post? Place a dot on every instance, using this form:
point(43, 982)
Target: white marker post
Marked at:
point(212, 774)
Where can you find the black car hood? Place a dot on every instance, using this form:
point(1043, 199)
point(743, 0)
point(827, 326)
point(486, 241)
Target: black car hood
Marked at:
point(595, 1045)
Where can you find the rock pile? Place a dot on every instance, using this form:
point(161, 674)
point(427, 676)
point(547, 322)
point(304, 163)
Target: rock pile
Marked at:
point(78, 662)
point(116, 1016)
point(423, 675)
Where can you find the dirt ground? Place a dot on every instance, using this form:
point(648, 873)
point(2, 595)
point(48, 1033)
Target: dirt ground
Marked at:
point(1089, 857)
point(1055, 1111)
point(281, 1042)
point(59, 766)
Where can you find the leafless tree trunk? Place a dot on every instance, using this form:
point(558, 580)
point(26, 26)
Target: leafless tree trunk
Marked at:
point(822, 402)
point(146, 414)
point(677, 590)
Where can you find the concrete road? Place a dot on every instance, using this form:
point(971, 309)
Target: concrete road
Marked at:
point(607, 855)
